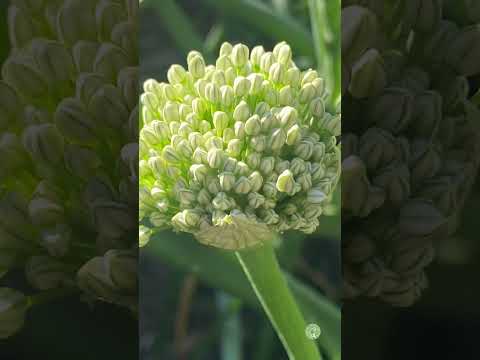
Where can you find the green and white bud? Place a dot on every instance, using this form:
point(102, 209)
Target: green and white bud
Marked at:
point(242, 112)
point(286, 182)
point(13, 308)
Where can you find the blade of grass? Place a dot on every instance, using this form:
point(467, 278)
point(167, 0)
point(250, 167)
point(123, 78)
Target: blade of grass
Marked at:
point(270, 23)
point(325, 22)
point(177, 23)
point(221, 270)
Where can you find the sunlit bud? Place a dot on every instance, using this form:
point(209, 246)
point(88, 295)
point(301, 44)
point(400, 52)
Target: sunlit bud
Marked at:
point(218, 78)
point(230, 164)
point(288, 116)
point(199, 156)
point(196, 66)
point(226, 49)
point(283, 54)
point(266, 62)
point(239, 55)
point(234, 147)
point(241, 86)
point(171, 112)
point(215, 158)
point(256, 81)
point(169, 92)
point(277, 73)
point(293, 135)
point(228, 96)
point(286, 182)
point(256, 55)
point(230, 76)
point(242, 112)
point(176, 74)
point(224, 63)
point(256, 181)
point(212, 93)
point(199, 172)
point(320, 86)
point(199, 107)
point(200, 86)
point(214, 142)
point(220, 121)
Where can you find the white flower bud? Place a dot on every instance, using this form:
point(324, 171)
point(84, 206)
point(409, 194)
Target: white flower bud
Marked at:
point(256, 180)
point(309, 76)
point(220, 121)
point(226, 49)
point(253, 125)
point(176, 74)
point(228, 134)
point(223, 202)
point(199, 107)
point(293, 77)
point(239, 129)
point(288, 116)
point(256, 55)
point(234, 147)
point(196, 66)
point(227, 181)
point(199, 172)
point(267, 165)
point(304, 150)
point(230, 76)
point(277, 139)
point(230, 164)
point(228, 96)
point(242, 112)
point(239, 55)
point(256, 81)
point(215, 158)
point(293, 135)
point(262, 109)
point(266, 62)
point(224, 63)
point(241, 86)
point(218, 78)
point(316, 196)
point(286, 96)
point(255, 200)
point(199, 156)
point(277, 73)
point(305, 180)
point(242, 169)
point(212, 93)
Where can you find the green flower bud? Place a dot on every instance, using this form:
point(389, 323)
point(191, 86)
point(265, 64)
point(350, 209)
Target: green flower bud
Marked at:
point(112, 219)
point(277, 139)
point(223, 202)
point(13, 307)
point(307, 93)
point(253, 159)
point(284, 54)
point(253, 125)
point(266, 62)
point(227, 181)
point(317, 108)
point(258, 143)
point(316, 196)
point(293, 77)
point(44, 143)
point(304, 150)
point(56, 240)
point(243, 185)
point(255, 200)
point(262, 109)
point(234, 147)
point(212, 93)
point(281, 166)
point(45, 273)
point(288, 116)
point(293, 135)
point(220, 121)
point(218, 78)
point(267, 165)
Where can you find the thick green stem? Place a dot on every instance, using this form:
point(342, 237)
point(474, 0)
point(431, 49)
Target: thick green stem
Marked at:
point(263, 272)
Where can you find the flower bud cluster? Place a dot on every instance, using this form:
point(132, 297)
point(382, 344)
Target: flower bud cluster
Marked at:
point(410, 143)
point(244, 144)
point(68, 139)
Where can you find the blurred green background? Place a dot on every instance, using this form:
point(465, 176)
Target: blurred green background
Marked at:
point(186, 307)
